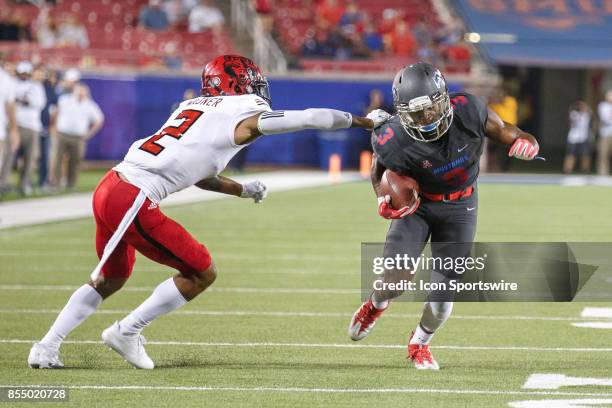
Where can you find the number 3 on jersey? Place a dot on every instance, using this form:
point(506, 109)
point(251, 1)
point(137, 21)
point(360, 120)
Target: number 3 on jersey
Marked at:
point(189, 116)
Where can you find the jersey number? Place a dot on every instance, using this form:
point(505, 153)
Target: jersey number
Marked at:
point(189, 116)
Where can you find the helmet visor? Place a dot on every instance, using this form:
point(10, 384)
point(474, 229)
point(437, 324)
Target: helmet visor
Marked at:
point(424, 115)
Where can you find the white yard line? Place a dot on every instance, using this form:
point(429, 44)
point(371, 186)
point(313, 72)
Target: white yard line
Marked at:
point(68, 207)
point(334, 346)
point(288, 314)
point(312, 390)
point(597, 312)
point(312, 291)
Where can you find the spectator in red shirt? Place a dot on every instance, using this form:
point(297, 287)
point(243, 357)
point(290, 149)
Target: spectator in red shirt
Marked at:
point(330, 11)
point(402, 40)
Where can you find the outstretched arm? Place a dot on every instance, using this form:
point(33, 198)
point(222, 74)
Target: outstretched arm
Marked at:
point(524, 146)
point(220, 184)
point(275, 122)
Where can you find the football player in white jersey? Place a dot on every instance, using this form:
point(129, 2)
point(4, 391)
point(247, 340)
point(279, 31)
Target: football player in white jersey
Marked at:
point(191, 148)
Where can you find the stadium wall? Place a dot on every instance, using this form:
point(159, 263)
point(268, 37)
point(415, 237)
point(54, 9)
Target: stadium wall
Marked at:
point(136, 106)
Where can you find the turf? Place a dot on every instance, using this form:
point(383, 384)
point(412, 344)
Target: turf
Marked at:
point(305, 239)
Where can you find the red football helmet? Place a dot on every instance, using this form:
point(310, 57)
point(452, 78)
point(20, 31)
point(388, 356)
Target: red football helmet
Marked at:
point(234, 75)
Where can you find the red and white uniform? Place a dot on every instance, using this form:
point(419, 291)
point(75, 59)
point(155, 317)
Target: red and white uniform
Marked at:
point(196, 143)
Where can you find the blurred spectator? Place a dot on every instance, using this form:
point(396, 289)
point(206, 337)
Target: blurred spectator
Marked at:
point(14, 26)
point(205, 16)
point(578, 138)
point(506, 107)
point(47, 32)
point(152, 17)
point(452, 33)
point(76, 120)
point(9, 136)
point(402, 41)
point(319, 43)
point(172, 57)
point(428, 52)
point(263, 8)
point(422, 32)
point(72, 33)
point(330, 12)
point(50, 83)
point(175, 11)
point(30, 100)
point(377, 101)
point(70, 79)
point(604, 146)
point(372, 39)
point(389, 20)
point(352, 17)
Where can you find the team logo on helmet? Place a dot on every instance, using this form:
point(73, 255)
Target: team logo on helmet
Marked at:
point(439, 80)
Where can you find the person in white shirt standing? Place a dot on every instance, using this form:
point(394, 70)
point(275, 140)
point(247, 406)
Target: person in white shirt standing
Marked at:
point(204, 17)
point(30, 100)
point(76, 120)
point(578, 144)
point(604, 147)
point(9, 136)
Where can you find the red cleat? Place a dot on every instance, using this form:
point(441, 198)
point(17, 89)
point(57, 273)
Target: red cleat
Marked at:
point(421, 357)
point(363, 320)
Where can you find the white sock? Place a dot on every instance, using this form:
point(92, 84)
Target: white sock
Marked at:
point(421, 336)
point(83, 302)
point(434, 316)
point(164, 299)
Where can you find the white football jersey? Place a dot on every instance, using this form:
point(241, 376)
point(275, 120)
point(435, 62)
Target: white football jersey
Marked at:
point(196, 143)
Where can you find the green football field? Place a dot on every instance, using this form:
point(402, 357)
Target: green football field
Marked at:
point(273, 329)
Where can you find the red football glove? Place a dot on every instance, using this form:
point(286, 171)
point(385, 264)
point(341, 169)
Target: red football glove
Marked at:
point(385, 210)
point(523, 149)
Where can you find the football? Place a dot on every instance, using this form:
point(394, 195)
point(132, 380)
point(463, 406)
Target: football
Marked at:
point(403, 190)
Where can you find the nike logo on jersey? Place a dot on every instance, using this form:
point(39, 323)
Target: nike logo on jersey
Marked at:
point(470, 208)
point(384, 138)
point(462, 149)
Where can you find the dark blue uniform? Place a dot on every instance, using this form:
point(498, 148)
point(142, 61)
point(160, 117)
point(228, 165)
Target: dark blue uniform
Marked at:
point(446, 165)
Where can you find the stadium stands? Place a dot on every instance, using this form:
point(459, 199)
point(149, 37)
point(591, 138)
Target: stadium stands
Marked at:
point(116, 40)
point(296, 22)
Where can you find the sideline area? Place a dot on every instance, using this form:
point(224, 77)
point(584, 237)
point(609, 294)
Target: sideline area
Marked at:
point(72, 206)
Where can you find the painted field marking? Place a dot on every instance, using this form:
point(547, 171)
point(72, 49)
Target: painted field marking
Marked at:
point(333, 346)
point(556, 381)
point(595, 313)
point(311, 390)
point(556, 403)
point(197, 312)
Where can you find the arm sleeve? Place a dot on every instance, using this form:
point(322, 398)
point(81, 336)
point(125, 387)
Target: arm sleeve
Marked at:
point(275, 122)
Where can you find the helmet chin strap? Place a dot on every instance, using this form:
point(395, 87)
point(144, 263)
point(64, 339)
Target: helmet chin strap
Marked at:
point(413, 132)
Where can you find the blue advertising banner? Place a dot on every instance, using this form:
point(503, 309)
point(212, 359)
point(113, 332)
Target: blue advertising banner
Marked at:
point(136, 106)
point(564, 33)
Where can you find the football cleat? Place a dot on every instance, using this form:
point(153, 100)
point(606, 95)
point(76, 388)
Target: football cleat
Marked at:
point(131, 348)
point(42, 356)
point(363, 320)
point(421, 357)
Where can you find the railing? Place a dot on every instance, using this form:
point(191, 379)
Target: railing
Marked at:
point(266, 51)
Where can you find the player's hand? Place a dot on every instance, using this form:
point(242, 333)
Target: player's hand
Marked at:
point(255, 190)
point(379, 117)
point(523, 149)
point(386, 211)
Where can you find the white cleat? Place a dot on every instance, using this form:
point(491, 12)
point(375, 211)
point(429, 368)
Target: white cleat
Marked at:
point(421, 357)
point(42, 356)
point(131, 348)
